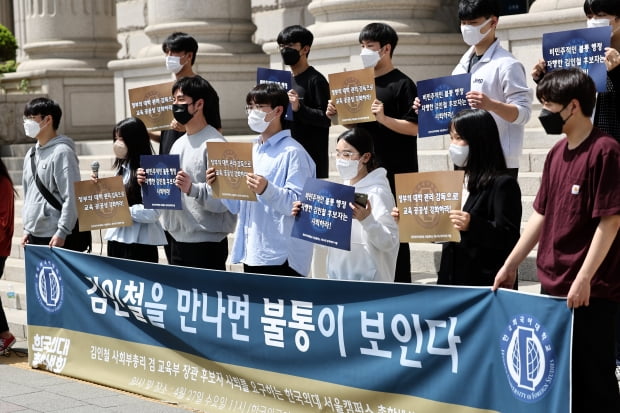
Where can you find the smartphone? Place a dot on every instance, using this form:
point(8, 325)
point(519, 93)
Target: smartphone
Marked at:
point(361, 199)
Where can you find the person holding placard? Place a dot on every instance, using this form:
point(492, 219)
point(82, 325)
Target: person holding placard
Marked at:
point(490, 218)
point(498, 79)
point(198, 231)
point(396, 126)
point(308, 97)
point(374, 234)
point(575, 223)
point(263, 241)
point(600, 13)
point(139, 241)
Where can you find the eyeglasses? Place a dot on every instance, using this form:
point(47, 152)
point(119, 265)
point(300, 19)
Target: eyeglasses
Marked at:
point(345, 154)
point(249, 108)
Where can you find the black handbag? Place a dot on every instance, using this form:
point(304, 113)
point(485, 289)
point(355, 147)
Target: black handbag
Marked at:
point(76, 241)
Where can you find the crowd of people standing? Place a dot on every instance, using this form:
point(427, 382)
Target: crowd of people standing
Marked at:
point(576, 213)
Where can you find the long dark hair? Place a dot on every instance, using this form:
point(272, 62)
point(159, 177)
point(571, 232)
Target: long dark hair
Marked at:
point(4, 172)
point(361, 140)
point(486, 158)
point(136, 138)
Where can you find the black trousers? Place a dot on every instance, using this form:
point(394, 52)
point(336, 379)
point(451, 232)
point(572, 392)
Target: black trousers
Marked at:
point(137, 252)
point(209, 255)
point(595, 388)
point(283, 269)
point(4, 324)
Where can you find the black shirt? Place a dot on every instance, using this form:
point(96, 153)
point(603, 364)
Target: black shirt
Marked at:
point(311, 126)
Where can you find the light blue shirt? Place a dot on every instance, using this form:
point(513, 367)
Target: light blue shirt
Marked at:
point(263, 234)
point(146, 228)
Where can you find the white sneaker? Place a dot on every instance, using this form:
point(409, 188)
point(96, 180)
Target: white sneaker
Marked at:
point(618, 373)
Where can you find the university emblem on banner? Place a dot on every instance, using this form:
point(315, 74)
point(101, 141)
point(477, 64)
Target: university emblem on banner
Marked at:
point(48, 282)
point(529, 359)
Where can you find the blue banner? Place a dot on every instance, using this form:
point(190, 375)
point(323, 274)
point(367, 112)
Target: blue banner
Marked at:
point(223, 341)
point(440, 99)
point(283, 78)
point(159, 191)
point(325, 216)
point(583, 48)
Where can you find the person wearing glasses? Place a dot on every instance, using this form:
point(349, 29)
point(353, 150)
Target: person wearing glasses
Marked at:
point(374, 234)
point(263, 241)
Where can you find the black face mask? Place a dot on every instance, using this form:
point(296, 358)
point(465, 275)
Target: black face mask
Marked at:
point(181, 113)
point(290, 56)
point(552, 122)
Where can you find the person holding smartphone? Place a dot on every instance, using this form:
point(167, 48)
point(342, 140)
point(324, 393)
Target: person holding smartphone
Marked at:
point(374, 234)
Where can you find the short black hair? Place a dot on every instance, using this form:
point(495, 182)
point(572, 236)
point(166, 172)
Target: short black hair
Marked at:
point(44, 107)
point(295, 34)
point(180, 42)
point(611, 7)
point(486, 158)
point(563, 85)
point(269, 94)
point(473, 9)
point(379, 32)
point(361, 140)
point(197, 87)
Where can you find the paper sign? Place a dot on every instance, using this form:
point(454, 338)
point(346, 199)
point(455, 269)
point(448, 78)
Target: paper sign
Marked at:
point(583, 48)
point(232, 162)
point(152, 105)
point(103, 204)
point(159, 190)
point(424, 201)
point(325, 216)
point(283, 78)
point(353, 93)
point(440, 99)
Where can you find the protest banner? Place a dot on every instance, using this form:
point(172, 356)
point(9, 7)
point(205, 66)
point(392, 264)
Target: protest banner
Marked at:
point(583, 48)
point(325, 216)
point(440, 99)
point(152, 104)
point(424, 200)
point(353, 93)
point(159, 190)
point(284, 78)
point(232, 162)
point(103, 204)
point(224, 341)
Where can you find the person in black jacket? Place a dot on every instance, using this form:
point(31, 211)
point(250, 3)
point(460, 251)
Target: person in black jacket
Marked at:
point(490, 219)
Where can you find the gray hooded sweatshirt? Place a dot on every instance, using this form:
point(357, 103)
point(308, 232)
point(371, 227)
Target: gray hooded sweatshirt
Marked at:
point(58, 168)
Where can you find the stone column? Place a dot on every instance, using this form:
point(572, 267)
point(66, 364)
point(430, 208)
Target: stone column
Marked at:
point(65, 47)
point(226, 55)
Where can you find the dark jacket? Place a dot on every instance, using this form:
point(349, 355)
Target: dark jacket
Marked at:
point(493, 232)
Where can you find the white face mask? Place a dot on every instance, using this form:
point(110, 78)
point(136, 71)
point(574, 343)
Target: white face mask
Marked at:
point(370, 58)
point(597, 22)
point(471, 34)
point(459, 154)
point(256, 120)
point(31, 128)
point(348, 168)
point(173, 64)
point(120, 149)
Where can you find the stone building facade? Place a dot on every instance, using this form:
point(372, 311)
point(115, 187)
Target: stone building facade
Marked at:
point(86, 53)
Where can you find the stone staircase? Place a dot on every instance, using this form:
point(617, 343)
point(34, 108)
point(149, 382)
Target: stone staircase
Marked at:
point(432, 155)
